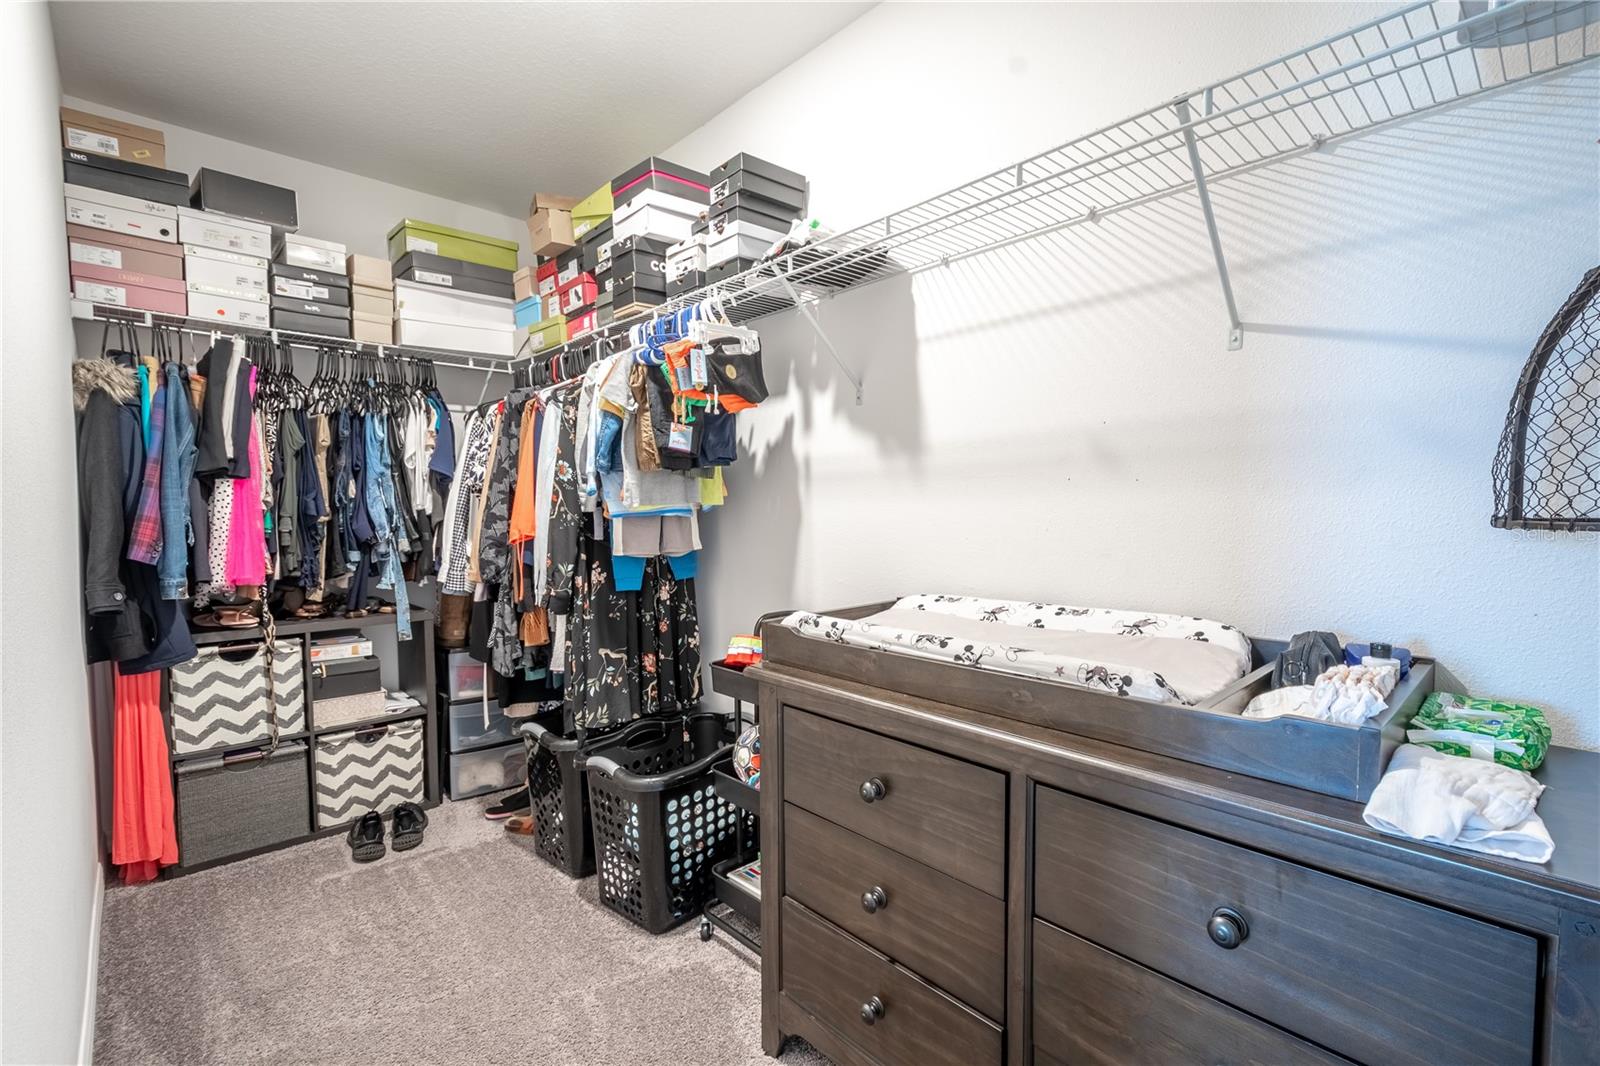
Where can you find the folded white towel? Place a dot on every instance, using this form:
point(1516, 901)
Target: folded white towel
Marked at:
point(1463, 803)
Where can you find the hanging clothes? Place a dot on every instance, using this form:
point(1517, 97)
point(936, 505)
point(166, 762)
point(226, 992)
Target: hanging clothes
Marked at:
point(143, 835)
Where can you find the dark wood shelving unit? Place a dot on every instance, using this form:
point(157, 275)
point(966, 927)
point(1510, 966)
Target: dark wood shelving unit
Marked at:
point(412, 670)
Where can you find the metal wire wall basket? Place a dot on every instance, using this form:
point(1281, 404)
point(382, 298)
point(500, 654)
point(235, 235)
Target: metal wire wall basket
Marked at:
point(1547, 468)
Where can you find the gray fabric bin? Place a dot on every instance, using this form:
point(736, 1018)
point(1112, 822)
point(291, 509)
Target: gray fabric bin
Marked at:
point(227, 808)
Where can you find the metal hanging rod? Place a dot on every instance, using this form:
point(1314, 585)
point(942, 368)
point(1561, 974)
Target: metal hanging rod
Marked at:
point(84, 310)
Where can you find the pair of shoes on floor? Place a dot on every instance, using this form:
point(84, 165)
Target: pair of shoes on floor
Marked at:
point(366, 835)
point(517, 801)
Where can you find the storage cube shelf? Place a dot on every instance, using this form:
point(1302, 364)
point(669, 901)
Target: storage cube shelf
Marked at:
point(202, 778)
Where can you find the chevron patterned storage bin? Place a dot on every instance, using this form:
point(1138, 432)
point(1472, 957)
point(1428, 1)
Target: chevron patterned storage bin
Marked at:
point(368, 770)
point(219, 698)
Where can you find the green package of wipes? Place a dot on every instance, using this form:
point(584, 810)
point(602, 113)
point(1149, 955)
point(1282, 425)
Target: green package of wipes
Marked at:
point(1512, 734)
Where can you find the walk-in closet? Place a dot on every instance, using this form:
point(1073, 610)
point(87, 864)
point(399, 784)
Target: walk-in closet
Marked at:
point(898, 534)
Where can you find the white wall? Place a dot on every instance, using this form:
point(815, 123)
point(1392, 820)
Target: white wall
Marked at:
point(48, 888)
point(1061, 421)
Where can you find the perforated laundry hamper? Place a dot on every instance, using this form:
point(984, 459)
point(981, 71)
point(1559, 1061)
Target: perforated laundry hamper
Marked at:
point(659, 825)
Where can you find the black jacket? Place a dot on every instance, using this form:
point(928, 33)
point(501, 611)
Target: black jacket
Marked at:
point(108, 435)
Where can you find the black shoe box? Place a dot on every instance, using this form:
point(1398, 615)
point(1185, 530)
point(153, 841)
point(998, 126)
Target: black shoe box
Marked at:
point(311, 276)
point(727, 269)
point(141, 182)
point(320, 309)
point(274, 205)
point(589, 248)
point(685, 283)
point(759, 167)
point(664, 176)
point(321, 325)
point(747, 183)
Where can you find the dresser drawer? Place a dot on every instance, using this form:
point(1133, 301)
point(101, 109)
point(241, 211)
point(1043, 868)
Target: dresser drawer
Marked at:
point(1089, 1006)
point(1368, 974)
point(947, 931)
point(841, 981)
point(943, 812)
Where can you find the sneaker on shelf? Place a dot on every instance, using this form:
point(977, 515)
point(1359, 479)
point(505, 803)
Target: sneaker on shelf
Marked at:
point(514, 802)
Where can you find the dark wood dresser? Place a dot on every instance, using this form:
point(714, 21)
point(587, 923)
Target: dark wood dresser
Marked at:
point(944, 885)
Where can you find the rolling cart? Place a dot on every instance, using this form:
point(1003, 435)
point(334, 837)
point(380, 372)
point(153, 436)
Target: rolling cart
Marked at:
point(737, 880)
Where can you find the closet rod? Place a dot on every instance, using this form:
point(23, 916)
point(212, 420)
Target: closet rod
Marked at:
point(84, 310)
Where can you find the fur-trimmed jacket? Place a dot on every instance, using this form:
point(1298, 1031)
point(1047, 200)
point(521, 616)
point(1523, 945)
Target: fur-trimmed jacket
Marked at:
point(110, 466)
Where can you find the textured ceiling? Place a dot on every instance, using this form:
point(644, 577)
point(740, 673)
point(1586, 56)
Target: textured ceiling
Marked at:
point(477, 102)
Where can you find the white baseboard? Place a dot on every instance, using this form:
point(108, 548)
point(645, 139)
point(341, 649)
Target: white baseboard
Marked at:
point(92, 981)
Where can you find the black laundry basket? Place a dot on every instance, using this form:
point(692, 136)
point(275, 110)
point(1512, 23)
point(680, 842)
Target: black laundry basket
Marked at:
point(562, 836)
point(659, 825)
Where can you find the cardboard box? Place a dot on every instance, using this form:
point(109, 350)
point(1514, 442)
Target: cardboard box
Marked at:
point(527, 311)
point(271, 205)
point(455, 274)
point(653, 222)
point(550, 230)
point(312, 275)
point(365, 300)
point(316, 325)
point(545, 275)
point(298, 250)
point(372, 329)
point(369, 270)
point(452, 336)
point(523, 284)
point(759, 167)
point(436, 304)
point(120, 176)
point(413, 235)
point(747, 181)
point(224, 232)
point(591, 211)
point(112, 137)
point(582, 292)
point(139, 297)
point(123, 252)
point(233, 312)
point(229, 274)
point(99, 209)
point(549, 201)
point(311, 292)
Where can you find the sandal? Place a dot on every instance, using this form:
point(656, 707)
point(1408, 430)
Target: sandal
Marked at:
point(409, 822)
point(521, 824)
point(366, 838)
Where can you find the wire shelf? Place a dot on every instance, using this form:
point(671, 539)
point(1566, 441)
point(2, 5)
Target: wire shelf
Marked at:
point(1418, 59)
point(87, 311)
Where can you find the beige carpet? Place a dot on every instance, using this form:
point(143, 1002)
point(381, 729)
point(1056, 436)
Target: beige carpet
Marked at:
point(469, 949)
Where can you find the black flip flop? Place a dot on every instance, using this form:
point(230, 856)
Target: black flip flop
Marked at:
point(409, 822)
point(366, 838)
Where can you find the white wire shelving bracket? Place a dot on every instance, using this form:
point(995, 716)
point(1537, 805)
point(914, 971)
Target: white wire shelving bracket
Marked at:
point(1415, 60)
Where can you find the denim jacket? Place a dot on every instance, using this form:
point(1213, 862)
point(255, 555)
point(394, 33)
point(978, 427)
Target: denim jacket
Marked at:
point(178, 456)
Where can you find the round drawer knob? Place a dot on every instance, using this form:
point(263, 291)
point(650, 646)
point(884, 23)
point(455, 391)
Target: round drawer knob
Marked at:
point(1227, 928)
point(873, 789)
point(872, 1010)
point(874, 900)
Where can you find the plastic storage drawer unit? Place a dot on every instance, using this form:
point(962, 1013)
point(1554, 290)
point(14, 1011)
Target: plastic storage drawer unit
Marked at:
point(476, 724)
point(472, 773)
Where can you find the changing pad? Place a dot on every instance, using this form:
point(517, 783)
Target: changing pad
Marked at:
point(1166, 658)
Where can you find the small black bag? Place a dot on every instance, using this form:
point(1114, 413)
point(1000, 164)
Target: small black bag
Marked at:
point(735, 371)
point(1307, 655)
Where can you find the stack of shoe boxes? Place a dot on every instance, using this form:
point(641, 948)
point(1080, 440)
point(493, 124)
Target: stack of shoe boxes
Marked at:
point(686, 263)
point(753, 203)
point(453, 289)
point(576, 290)
point(551, 329)
point(122, 214)
point(225, 267)
point(371, 299)
point(657, 204)
point(310, 289)
point(227, 234)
